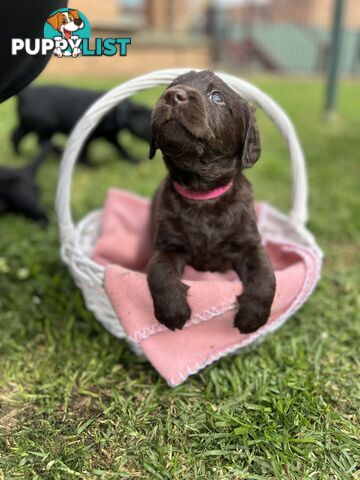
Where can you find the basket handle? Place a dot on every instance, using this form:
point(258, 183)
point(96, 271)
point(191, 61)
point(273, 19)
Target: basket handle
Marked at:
point(298, 213)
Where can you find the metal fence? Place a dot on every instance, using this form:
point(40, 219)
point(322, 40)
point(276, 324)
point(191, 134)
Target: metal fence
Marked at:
point(285, 36)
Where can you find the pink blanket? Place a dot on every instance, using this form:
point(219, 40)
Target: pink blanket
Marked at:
point(124, 248)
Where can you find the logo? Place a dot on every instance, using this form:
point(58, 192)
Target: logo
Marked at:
point(67, 27)
point(67, 33)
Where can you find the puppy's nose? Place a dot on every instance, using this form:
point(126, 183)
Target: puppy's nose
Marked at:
point(78, 22)
point(176, 96)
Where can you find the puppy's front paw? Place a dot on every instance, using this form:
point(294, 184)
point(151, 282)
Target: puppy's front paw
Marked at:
point(251, 315)
point(172, 310)
point(76, 52)
point(58, 52)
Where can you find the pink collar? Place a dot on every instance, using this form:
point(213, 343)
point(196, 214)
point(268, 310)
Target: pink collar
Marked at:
point(217, 192)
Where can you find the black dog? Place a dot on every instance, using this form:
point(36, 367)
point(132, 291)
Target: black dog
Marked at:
point(18, 189)
point(53, 109)
point(203, 213)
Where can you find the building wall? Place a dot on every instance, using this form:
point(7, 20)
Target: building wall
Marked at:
point(145, 54)
point(317, 13)
point(321, 12)
point(160, 15)
point(99, 11)
point(168, 15)
point(141, 59)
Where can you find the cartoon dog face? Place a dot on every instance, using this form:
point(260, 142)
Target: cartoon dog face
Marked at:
point(66, 22)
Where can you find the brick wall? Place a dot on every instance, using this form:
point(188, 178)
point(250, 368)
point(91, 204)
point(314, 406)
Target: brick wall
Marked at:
point(318, 13)
point(98, 11)
point(168, 15)
point(140, 60)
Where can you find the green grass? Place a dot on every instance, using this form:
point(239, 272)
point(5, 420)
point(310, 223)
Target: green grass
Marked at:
point(77, 403)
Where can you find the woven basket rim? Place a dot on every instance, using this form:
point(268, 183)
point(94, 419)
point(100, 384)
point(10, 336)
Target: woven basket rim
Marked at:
point(94, 217)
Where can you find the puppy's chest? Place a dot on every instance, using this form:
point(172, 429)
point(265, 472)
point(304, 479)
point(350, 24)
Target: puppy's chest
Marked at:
point(210, 240)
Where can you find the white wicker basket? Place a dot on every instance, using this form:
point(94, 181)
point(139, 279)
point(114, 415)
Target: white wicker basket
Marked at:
point(77, 241)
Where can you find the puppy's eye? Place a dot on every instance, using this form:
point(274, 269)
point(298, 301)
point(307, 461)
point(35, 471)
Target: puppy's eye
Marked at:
point(64, 20)
point(216, 97)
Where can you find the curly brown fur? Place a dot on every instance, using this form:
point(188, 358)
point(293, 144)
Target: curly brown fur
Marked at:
point(207, 135)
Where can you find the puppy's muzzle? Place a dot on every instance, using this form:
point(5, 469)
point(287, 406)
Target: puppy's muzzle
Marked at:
point(180, 105)
point(176, 96)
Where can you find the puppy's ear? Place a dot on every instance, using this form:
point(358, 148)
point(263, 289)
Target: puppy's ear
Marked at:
point(252, 146)
point(74, 12)
point(153, 148)
point(54, 20)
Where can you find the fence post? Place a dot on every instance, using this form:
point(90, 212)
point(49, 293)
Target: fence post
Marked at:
point(213, 29)
point(334, 67)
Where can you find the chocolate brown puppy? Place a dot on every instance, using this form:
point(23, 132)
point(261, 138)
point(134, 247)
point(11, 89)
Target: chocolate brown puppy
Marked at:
point(203, 213)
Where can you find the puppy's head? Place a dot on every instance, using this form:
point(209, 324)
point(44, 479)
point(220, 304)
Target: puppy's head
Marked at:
point(66, 22)
point(202, 125)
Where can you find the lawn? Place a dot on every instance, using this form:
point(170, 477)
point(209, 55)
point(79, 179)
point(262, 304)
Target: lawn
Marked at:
point(77, 403)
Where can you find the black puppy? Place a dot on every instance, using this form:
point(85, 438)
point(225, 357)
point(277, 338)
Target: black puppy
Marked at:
point(18, 189)
point(203, 213)
point(48, 110)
